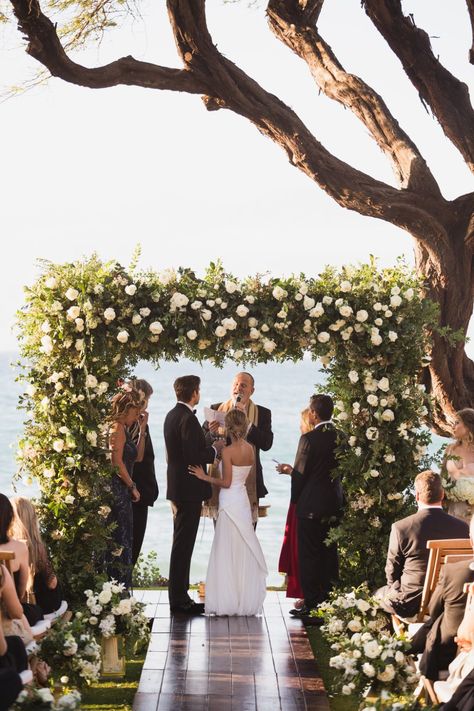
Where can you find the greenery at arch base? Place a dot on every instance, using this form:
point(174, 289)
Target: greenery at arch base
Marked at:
point(86, 324)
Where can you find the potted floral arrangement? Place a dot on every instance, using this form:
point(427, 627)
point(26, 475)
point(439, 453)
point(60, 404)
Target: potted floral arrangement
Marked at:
point(111, 616)
point(39, 699)
point(72, 652)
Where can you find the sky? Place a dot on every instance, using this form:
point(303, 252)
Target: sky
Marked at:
point(104, 170)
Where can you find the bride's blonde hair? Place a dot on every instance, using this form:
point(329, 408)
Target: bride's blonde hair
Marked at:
point(467, 418)
point(236, 424)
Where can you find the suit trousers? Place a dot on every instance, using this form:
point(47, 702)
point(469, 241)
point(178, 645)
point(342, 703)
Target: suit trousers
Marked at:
point(140, 518)
point(186, 517)
point(319, 565)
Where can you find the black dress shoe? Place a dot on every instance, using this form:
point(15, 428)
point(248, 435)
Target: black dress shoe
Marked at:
point(191, 608)
point(301, 613)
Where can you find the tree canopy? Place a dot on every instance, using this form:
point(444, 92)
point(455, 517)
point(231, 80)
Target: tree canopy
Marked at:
point(442, 228)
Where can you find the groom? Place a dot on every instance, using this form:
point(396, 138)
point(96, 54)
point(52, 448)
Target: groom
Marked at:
point(185, 445)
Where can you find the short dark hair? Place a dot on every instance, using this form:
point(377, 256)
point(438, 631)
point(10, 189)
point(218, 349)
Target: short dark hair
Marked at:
point(185, 386)
point(6, 518)
point(429, 487)
point(322, 406)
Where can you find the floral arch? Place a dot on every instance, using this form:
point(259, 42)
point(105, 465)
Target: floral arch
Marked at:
point(85, 325)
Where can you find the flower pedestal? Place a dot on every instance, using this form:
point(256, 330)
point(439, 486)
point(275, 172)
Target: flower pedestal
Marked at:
point(113, 658)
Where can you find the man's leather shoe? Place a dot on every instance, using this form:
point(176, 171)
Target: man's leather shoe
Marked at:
point(191, 608)
point(301, 613)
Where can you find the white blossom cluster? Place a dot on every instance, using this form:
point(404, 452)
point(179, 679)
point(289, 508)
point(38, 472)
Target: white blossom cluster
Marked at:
point(111, 612)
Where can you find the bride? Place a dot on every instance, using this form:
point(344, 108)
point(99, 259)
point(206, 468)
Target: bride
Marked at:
point(236, 574)
point(459, 464)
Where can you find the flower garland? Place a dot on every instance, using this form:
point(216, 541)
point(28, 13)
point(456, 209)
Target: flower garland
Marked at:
point(85, 325)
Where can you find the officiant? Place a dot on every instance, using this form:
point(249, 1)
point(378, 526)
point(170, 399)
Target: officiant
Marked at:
point(259, 435)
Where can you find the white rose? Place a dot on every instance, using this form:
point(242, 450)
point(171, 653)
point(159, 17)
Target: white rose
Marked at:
point(376, 339)
point(384, 384)
point(155, 328)
point(352, 441)
point(241, 310)
point(392, 336)
point(47, 344)
point(368, 670)
point(345, 311)
point(388, 313)
point(377, 306)
point(346, 690)
point(323, 337)
point(395, 301)
point(131, 289)
point(252, 322)
point(378, 322)
point(389, 458)
point(387, 674)
point(145, 311)
point(362, 315)
point(45, 695)
point(79, 324)
point(327, 300)
point(363, 605)
point(254, 334)
point(136, 319)
point(372, 433)
point(49, 473)
point(206, 315)
point(91, 437)
point(279, 293)
point(105, 596)
point(268, 345)
point(71, 294)
point(109, 314)
point(69, 499)
point(51, 282)
point(388, 415)
point(192, 335)
point(372, 400)
point(308, 303)
point(196, 305)
point(230, 286)
point(399, 657)
point(354, 626)
point(178, 301)
point(356, 408)
point(374, 473)
point(345, 286)
point(395, 290)
point(122, 336)
point(167, 276)
point(317, 311)
point(409, 294)
point(102, 387)
point(220, 331)
point(353, 376)
point(210, 302)
point(91, 381)
point(58, 445)
point(372, 649)
point(229, 323)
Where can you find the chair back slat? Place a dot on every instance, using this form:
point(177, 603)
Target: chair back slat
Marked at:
point(439, 550)
point(6, 557)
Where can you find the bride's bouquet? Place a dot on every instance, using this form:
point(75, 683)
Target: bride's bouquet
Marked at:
point(461, 490)
point(110, 613)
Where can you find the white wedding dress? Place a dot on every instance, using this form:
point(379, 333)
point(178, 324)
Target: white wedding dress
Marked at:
point(236, 574)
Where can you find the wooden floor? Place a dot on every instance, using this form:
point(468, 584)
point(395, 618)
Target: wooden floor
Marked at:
point(223, 663)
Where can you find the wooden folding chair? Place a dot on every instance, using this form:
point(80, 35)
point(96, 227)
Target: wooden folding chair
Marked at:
point(6, 557)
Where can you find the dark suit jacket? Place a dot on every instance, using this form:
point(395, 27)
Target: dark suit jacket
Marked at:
point(407, 555)
point(446, 610)
point(318, 492)
point(144, 474)
point(261, 437)
point(185, 445)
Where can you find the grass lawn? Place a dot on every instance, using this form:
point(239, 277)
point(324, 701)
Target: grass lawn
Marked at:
point(322, 653)
point(114, 695)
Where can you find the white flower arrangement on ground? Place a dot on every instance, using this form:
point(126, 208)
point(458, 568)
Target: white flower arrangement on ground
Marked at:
point(38, 698)
point(72, 652)
point(367, 654)
point(109, 613)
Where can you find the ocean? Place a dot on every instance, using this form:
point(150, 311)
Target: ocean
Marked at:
point(284, 388)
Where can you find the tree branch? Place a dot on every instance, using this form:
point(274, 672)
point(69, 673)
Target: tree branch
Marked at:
point(44, 45)
point(447, 96)
point(470, 9)
point(290, 24)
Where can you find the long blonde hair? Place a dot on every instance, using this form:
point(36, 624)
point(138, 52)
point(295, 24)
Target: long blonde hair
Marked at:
point(25, 527)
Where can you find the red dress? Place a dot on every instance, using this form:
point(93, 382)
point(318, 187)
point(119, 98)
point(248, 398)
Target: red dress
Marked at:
point(288, 562)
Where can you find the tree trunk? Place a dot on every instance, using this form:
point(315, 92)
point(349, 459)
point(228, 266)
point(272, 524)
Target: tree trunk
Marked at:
point(448, 273)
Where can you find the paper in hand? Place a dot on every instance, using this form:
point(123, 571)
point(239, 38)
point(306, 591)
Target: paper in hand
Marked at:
point(214, 416)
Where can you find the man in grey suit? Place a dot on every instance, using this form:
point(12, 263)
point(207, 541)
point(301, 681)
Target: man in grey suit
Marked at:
point(407, 556)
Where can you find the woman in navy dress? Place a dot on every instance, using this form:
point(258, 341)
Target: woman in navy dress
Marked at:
point(125, 412)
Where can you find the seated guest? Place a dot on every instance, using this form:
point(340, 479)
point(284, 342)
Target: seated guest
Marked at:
point(407, 556)
point(10, 687)
point(288, 562)
point(436, 639)
point(13, 659)
point(20, 564)
point(42, 579)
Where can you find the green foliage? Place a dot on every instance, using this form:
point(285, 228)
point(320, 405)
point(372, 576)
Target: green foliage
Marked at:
point(86, 324)
point(146, 573)
point(72, 652)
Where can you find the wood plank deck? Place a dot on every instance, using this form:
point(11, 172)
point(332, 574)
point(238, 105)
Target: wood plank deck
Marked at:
point(222, 663)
